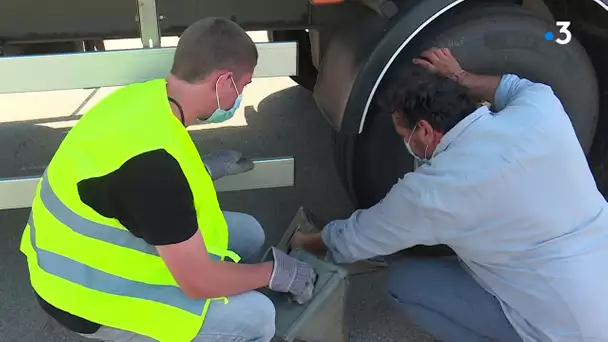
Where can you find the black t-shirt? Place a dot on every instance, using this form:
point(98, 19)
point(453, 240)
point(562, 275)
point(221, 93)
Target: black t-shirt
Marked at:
point(150, 196)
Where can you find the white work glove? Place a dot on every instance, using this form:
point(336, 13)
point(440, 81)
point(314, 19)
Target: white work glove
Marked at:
point(226, 162)
point(291, 276)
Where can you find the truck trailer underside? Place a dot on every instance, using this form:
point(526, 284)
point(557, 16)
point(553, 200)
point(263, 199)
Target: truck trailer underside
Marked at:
point(345, 52)
point(122, 67)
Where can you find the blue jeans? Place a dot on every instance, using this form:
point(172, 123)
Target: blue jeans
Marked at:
point(247, 317)
point(443, 299)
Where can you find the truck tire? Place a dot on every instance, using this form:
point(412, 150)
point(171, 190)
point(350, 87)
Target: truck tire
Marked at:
point(307, 72)
point(492, 40)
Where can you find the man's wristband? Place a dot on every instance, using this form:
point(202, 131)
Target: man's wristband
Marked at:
point(456, 76)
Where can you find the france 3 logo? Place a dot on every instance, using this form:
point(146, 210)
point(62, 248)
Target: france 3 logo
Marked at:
point(564, 37)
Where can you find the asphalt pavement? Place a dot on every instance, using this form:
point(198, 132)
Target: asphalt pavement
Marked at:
point(277, 118)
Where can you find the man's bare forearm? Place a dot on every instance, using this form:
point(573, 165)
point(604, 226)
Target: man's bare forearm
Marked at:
point(226, 279)
point(312, 242)
point(442, 62)
point(480, 86)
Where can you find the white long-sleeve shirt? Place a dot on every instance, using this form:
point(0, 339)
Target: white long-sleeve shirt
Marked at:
point(512, 194)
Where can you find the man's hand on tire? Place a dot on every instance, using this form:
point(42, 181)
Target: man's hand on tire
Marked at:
point(291, 276)
point(440, 61)
point(226, 162)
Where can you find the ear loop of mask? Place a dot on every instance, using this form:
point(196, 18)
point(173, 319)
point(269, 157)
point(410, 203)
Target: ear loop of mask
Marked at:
point(217, 95)
point(179, 107)
point(425, 149)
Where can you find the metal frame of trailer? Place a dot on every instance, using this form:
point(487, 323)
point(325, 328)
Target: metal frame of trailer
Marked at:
point(122, 67)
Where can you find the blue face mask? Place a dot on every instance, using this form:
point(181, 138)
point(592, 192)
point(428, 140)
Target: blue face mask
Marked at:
point(221, 115)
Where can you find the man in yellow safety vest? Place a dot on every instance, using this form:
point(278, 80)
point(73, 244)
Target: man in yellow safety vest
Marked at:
point(126, 240)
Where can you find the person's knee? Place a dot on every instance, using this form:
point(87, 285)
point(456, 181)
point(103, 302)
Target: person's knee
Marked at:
point(248, 316)
point(406, 284)
point(246, 234)
point(256, 236)
point(261, 317)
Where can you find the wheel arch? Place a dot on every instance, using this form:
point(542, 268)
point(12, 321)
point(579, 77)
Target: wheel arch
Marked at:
point(358, 59)
point(437, 11)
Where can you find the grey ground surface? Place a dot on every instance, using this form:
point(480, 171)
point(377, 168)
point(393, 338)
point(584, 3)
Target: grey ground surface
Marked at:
point(278, 119)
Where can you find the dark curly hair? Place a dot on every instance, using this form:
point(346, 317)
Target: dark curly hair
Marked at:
point(417, 94)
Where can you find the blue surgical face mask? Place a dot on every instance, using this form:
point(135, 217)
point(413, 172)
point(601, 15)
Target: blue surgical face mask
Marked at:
point(221, 115)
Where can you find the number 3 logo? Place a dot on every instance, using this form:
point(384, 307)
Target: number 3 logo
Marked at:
point(564, 25)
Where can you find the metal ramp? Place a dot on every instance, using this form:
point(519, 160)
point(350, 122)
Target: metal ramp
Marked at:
point(322, 318)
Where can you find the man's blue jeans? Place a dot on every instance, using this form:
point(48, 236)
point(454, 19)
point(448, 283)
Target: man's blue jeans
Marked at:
point(443, 299)
point(246, 317)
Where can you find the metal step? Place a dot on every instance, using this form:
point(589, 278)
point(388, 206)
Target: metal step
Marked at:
point(19, 192)
point(119, 67)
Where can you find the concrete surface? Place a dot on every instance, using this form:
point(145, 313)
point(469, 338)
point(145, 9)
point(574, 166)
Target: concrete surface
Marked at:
point(277, 118)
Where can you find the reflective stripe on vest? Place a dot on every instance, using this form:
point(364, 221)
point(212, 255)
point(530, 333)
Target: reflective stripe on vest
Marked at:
point(87, 227)
point(95, 279)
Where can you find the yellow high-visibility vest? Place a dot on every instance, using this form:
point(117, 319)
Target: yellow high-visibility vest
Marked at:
point(90, 265)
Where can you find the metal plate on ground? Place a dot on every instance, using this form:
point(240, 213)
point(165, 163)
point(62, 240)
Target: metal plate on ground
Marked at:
point(322, 318)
